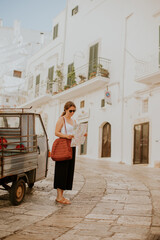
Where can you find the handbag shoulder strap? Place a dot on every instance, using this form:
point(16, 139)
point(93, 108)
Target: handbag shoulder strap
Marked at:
point(65, 125)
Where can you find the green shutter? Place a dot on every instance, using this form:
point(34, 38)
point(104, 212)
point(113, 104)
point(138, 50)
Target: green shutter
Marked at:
point(50, 79)
point(50, 73)
point(70, 69)
point(159, 46)
point(93, 59)
point(55, 31)
point(37, 80)
point(37, 85)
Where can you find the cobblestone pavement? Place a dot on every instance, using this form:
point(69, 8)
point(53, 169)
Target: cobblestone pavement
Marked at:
point(110, 201)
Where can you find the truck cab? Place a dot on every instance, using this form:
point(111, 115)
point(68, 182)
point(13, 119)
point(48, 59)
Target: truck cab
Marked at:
point(23, 152)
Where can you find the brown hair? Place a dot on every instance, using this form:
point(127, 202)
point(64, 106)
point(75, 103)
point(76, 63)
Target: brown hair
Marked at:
point(67, 106)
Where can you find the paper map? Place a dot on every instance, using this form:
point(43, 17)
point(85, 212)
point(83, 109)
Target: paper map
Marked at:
point(78, 132)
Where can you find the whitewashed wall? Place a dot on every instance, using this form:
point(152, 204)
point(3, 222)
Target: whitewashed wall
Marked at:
point(127, 31)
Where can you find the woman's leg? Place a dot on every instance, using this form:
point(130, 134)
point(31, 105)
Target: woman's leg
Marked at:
point(60, 197)
point(59, 194)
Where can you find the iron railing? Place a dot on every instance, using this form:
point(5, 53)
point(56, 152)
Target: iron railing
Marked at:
point(96, 67)
point(144, 68)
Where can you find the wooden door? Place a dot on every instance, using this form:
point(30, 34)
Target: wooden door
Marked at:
point(106, 140)
point(141, 143)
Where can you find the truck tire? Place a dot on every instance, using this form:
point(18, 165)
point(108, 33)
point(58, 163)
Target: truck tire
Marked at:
point(17, 192)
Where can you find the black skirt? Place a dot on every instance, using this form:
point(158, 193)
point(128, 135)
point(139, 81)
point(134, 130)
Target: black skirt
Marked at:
point(64, 173)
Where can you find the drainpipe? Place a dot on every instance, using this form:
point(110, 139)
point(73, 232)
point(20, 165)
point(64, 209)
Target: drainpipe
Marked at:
point(65, 32)
point(123, 85)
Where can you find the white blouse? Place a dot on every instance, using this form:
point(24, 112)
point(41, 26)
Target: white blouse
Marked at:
point(69, 128)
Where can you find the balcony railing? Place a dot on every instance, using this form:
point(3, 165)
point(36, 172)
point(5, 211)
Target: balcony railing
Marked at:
point(99, 67)
point(145, 68)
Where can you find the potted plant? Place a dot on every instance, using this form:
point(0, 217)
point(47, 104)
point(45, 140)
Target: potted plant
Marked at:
point(103, 72)
point(72, 77)
point(92, 75)
point(82, 78)
point(66, 87)
point(59, 77)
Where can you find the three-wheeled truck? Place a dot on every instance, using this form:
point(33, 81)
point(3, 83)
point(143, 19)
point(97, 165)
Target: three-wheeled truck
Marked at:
point(23, 152)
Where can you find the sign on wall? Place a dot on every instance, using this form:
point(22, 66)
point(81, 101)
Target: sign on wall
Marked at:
point(108, 97)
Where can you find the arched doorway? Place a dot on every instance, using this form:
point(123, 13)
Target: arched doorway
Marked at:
point(106, 140)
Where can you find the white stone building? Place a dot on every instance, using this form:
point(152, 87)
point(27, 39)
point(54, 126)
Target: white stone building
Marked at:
point(113, 46)
point(16, 46)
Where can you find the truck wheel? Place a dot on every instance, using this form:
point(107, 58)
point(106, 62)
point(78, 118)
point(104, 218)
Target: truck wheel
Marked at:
point(17, 192)
point(30, 185)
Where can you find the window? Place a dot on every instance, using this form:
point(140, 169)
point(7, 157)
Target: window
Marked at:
point(50, 79)
point(82, 103)
point(145, 106)
point(159, 46)
point(83, 147)
point(37, 85)
point(75, 10)
point(71, 75)
point(17, 74)
point(102, 102)
point(30, 83)
point(55, 32)
point(93, 61)
point(38, 127)
point(9, 122)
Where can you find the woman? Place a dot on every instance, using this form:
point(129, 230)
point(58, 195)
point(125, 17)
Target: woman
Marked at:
point(64, 170)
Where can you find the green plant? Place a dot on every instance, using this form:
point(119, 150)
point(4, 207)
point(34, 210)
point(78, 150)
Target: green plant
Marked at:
point(66, 87)
point(59, 76)
point(92, 75)
point(71, 77)
point(104, 72)
point(83, 78)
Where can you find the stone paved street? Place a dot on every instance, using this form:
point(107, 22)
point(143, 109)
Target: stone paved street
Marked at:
point(110, 201)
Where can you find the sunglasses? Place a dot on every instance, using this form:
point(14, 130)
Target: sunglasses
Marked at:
point(72, 111)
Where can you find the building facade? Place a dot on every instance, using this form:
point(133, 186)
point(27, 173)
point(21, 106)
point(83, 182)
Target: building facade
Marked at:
point(16, 46)
point(104, 56)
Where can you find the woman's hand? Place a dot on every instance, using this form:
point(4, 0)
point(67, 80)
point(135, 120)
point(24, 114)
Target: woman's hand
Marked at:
point(69, 136)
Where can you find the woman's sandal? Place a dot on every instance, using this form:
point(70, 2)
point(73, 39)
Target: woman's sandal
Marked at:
point(63, 201)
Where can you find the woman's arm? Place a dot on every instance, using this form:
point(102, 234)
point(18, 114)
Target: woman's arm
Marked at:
point(58, 128)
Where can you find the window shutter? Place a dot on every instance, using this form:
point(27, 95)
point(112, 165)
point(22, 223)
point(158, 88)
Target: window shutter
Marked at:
point(37, 85)
point(70, 69)
point(55, 32)
point(50, 73)
point(50, 79)
point(37, 80)
point(93, 59)
point(159, 46)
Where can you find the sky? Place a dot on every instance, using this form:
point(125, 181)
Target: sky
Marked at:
point(33, 14)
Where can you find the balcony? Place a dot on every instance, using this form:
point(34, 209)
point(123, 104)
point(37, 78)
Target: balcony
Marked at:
point(148, 72)
point(85, 79)
point(81, 81)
